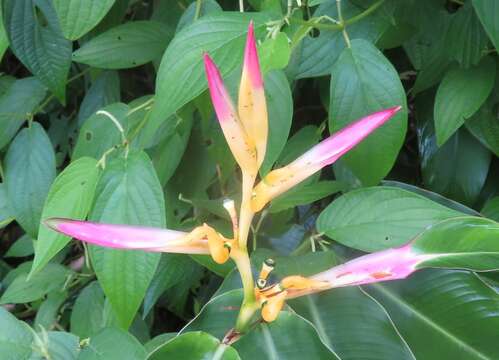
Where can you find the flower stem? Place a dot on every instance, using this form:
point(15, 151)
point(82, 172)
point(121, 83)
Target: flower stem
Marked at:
point(241, 257)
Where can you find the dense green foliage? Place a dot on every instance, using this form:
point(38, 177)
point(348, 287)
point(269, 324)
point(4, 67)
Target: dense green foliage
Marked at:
point(105, 115)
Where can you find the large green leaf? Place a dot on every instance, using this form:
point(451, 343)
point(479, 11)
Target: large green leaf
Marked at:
point(280, 112)
point(377, 218)
point(306, 194)
point(466, 38)
point(15, 337)
point(88, 314)
point(24, 289)
point(350, 321)
point(70, 196)
point(29, 172)
point(318, 54)
point(113, 344)
point(181, 75)
point(487, 11)
point(364, 81)
point(6, 216)
point(491, 209)
point(105, 90)
point(33, 41)
point(484, 125)
point(218, 316)
point(460, 95)
point(17, 104)
point(77, 17)
point(4, 41)
point(128, 193)
point(443, 314)
point(128, 45)
point(55, 345)
point(288, 337)
point(173, 269)
point(194, 346)
point(464, 243)
point(459, 168)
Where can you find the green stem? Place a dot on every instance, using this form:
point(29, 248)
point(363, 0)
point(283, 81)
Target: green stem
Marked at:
point(338, 27)
point(241, 257)
point(198, 9)
point(342, 22)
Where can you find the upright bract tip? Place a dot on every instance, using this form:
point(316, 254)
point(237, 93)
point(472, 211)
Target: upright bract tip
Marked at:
point(252, 105)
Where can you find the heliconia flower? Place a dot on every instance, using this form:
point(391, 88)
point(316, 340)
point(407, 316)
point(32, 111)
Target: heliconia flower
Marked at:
point(390, 264)
point(240, 144)
point(252, 105)
point(202, 240)
point(323, 154)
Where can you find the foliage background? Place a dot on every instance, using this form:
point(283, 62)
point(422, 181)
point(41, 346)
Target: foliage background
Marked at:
point(141, 61)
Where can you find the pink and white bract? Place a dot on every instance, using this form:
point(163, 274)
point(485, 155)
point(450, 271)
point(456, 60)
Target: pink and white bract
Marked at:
point(129, 237)
point(323, 154)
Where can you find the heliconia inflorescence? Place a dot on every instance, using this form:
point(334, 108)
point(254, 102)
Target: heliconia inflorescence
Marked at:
point(246, 130)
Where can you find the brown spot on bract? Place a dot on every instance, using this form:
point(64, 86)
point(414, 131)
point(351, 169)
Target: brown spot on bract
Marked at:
point(343, 274)
point(381, 274)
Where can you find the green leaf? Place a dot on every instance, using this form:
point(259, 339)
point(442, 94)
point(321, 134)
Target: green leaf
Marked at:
point(88, 315)
point(29, 172)
point(458, 169)
point(77, 17)
point(55, 345)
point(15, 337)
point(280, 112)
point(218, 316)
point(21, 248)
point(377, 218)
point(6, 216)
point(317, 55)
point(487, 11)
point(460, 95)
point(105, 90)
point(338, 314)
point(189, 15)
point(128, 193)
point(181, 75)
point(466, 38)
point(288, 337)
point(454, 205)
point(33, 37)
point(464, 243)
point(128, 45)
point(47, 314)
point(113, 344)
point(442, 312)
point(158, 341)
point(70, 196)
point(364, 81)
point(173, 269)
point(274, 53)
point(4, 41)
point(491, 209)
point(99, 133)
point(194, 346)
point(300, 142)
point(17, 104)
point(484, 125)
point(23, 290)
point(305, 195)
